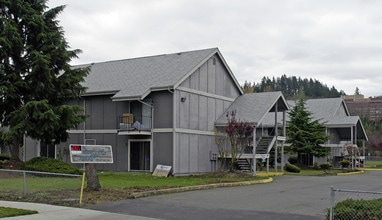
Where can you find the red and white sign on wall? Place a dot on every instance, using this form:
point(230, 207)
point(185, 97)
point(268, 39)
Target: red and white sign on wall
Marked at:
point(90, 153)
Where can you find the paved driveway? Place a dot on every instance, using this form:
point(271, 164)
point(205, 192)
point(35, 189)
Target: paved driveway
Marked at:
point(287, 197)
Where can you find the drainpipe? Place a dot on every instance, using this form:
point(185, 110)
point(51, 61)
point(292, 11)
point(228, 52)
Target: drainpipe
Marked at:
point(282, 143)
point(276, 133)
point(174, 169)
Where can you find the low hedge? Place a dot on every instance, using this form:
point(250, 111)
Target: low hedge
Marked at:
point(325, 166)
point(357, 209)
point(292, 159)
point(292, 168)
point(50, 165)
point(344, 163)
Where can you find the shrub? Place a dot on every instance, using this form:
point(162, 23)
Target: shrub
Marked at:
point(357, 209)
point(4, 157)
point(292, 168)
point(325, 166)
point(345, 163)
point(51, 165)
point(292, 159)
point(316, 166)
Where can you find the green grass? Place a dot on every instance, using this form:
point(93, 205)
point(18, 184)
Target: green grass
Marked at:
point(11, 212)
point(373, 164)
point(40, 183)
point(115, 180)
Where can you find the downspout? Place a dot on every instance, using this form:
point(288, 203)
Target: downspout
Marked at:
point(355, 141)
point(174, 169)
point(276, 131)
point(282, 143)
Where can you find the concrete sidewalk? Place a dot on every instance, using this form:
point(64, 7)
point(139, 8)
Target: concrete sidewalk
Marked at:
point(46, 212)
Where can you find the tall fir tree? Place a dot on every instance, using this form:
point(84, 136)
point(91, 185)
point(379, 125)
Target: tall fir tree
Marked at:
point(305, 134)
point(36, 80)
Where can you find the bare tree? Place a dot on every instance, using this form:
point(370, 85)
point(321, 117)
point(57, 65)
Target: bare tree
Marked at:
point(220, 140)
point(239, 134)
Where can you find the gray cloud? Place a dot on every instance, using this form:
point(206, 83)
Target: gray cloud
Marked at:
point(336, 42)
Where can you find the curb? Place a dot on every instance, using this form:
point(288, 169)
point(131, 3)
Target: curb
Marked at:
point(374, 169)
point(200, 187)
point(350, 173)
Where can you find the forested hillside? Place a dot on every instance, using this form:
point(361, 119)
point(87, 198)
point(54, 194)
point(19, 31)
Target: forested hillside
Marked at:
point(291, 86)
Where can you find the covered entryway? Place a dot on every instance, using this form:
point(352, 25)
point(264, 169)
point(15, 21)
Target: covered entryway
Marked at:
point(139, 154)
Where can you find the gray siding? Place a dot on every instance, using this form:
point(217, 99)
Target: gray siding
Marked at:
point(212, 77)
point(162, 149)
point(102, 115)
point(193, 153)
point(198, 113)
point(163, 110)
point(103, 112)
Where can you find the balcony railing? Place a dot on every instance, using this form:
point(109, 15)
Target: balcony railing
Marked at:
point(130, 122)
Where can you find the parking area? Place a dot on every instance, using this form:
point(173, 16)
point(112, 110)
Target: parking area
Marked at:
point(287, 197)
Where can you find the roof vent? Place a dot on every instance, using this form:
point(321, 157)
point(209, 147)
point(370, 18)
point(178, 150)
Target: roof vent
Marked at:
point(179, 53)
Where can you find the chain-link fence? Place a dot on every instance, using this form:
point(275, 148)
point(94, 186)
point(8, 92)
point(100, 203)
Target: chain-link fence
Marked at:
point(42, 187)
point(354, 204)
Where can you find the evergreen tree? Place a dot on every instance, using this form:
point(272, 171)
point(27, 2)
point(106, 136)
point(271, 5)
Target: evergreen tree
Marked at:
point(305, 134)
point(36, 79)
point(291, 86)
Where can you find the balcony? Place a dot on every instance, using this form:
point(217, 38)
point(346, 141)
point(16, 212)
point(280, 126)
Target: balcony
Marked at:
point(130, 124)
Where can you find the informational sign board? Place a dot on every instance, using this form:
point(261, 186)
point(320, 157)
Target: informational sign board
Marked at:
point(90, 153)
point(162, 170)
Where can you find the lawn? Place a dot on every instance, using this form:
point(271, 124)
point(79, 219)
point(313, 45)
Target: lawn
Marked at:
point(10, 212)
point(373, 164)
point(117, 180)
point(40, 183)
point(115, 186)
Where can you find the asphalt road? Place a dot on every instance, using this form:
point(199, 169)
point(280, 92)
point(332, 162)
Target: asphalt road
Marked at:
point(287, 197)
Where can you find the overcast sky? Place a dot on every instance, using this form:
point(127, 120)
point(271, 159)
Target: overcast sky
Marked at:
point(338, 42)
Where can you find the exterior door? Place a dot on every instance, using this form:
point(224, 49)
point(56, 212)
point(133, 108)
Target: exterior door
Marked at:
point(139, 155)
point(47, 150)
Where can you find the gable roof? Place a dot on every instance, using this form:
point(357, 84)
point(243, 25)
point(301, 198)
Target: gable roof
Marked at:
point(325, 108)
point(326, 111)
point(132, 79)
point(253, 107)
